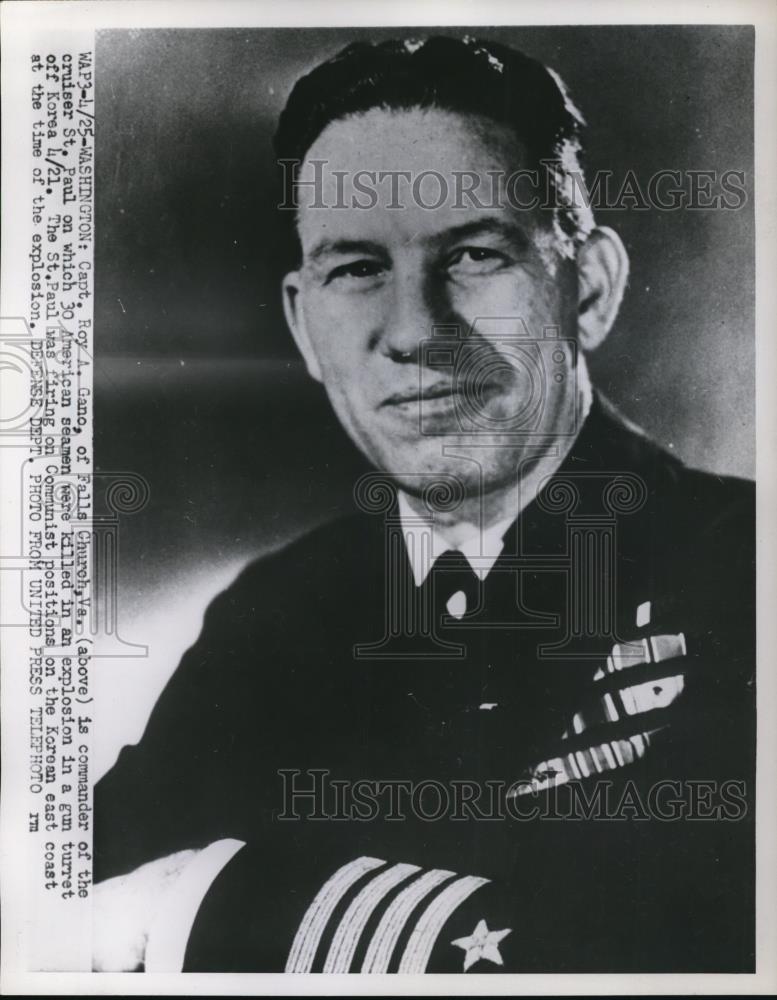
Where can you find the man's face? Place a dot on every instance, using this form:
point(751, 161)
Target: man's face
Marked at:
point(430, 327)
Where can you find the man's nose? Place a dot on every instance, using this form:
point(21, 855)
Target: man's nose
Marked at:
point(412, 312)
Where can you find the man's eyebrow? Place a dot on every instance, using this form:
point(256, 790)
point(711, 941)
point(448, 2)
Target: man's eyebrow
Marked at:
point(484, 227)
point(509, 230)
point(328, 247)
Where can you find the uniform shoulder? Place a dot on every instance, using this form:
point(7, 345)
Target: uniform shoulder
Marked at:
point(719, 511)
point(323, 551)
point(707, 496)
point(728, 493)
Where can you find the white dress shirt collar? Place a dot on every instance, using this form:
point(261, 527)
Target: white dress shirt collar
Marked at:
point(426, 542)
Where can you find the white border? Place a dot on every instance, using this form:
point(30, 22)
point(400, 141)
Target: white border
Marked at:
point(99, 14)
point(19, 19)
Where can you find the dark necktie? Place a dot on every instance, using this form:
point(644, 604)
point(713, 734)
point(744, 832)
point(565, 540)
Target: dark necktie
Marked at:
point(454, 588)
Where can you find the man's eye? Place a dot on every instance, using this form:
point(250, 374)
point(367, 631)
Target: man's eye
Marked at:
point(477, 260)
point(356, 269)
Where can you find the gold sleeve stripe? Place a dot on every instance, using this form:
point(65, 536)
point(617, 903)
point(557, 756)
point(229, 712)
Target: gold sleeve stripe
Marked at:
point(421, 944)
point(392, 922)
point(308, 936)
point(350, 928)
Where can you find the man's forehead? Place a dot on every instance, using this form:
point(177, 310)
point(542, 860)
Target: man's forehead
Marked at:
point(408, 175)
point(385, 132)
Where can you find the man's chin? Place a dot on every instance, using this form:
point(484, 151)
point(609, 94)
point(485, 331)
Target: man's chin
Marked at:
point(438, 478)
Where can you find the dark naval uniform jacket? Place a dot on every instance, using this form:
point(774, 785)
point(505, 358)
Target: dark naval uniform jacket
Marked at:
point(573, 758)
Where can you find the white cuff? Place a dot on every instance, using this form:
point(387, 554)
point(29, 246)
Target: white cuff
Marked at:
point(173, 922)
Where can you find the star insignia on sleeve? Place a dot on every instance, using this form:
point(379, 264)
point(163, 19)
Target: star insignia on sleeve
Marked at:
point(482, 943)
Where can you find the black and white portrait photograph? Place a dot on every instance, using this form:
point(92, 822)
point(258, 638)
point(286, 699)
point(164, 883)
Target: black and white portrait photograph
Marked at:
point(422, 497)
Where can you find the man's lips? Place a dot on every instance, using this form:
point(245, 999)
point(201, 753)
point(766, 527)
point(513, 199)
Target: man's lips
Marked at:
point(442, 390)
point(415, 395)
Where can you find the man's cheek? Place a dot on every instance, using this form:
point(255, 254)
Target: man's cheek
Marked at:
point(504, 297)
point(333, 319)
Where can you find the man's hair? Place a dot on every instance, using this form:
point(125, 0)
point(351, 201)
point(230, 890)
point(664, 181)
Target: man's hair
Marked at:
point(468, 76)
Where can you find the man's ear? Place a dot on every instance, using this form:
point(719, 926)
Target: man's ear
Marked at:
point(602, 272)
point(295, 317)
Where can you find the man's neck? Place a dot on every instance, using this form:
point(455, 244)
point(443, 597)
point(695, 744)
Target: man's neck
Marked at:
point(477, 514)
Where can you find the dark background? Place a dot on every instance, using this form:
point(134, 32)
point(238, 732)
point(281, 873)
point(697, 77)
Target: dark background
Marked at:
point(198, 387)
